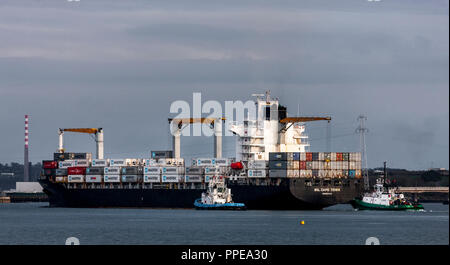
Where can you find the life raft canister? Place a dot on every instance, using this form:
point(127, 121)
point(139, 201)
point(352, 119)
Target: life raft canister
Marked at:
point(237, 165)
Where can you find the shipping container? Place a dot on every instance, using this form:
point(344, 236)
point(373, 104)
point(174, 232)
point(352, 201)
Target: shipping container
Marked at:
point(338, 156)
point(76, 171)
point(358, 173)
point(293, 173)
point(161, 154)
point(66, 164)
point(302, 165)
point(344, 165)
point(112, 171)
point(60, 179)
point(212, 170)
point(324, 173)
point(296, 156)
point(120, 162)
point(150, 162)
point(173, 161)
point(309, 165)
point(345, 156)
point(305, 173)
point(277, 173)
point(194, 170)
point(193, 178)
point(152, 170)
point(100, 162)
point(82, 163)
point(279, 156)
point(152, 178)
point(315, 156)
point(172, 170)
point(309, 156)
point(257, 173)
point(75, 178)
point(203, 162)
point(327, 165)
point(49, 164)
point(321, 157)
point(94, 178)
point(333, 156)
point(61, 172)
point(351, 173)
point(111, 178)
point(315, 173)
point(315, 165)
point(95, 171)
point(302, 156)
point(258, 164)
point(131, 178)
point(289, 156)
point(277, 164)
point(294, 164)
point(170, 178)
point(132, 170)
point(223, 162)
point(327, 156)
point(49, 172)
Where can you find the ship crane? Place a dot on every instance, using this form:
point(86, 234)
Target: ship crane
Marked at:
point(177, 127)
point(98, 132)
point(289, 121)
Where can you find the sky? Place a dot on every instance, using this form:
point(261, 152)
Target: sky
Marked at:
point(119, 65)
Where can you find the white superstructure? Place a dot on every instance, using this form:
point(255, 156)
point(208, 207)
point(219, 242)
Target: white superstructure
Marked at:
point(263, 134)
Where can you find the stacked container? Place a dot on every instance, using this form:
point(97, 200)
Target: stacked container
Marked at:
point(257, 168)
point(152, 174)
point(111, 174)
point(278, 163)
point(194, 174)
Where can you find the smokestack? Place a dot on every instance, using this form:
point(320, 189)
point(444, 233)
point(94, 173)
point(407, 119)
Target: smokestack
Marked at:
point(26, 175)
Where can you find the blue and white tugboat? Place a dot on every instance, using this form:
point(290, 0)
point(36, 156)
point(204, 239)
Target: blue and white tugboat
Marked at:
point(217, 197)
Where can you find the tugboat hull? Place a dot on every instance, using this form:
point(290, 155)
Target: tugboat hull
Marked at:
point(360, 205)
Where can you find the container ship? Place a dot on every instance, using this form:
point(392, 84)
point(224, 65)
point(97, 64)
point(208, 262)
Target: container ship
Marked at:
point(273, 169)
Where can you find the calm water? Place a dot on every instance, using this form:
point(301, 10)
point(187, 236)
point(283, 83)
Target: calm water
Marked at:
point(34, 223)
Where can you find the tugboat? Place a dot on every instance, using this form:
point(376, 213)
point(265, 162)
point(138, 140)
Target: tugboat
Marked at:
point(217, 197)
point(384, 198)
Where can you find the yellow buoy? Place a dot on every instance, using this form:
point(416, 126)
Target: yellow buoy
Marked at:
point(302, 222)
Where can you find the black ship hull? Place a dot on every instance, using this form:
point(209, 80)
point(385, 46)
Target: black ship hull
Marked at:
point(288, 194)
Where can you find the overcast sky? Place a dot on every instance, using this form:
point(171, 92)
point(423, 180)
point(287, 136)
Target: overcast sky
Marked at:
point(120, 64)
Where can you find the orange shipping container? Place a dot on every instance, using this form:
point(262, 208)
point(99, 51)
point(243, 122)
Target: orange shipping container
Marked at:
point(308, 156)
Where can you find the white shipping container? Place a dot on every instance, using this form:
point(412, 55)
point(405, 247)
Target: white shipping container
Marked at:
point(152, 170)
point(212, 170)
point(323, 173)
point(305, 173)
point(257, 173)
point(333, 156)
point(66, 164)
point(112, 178)
point(118, 162)
point(321, 156)
point(293, 173)
point(258, 164)
point(315, 165)
point(172, 170)
point(75, 178)
point(100, 162)
point(112, 170)
point(333, 165)
point(94, 178)
point(322, 165)
point(204, 162)
point(344, 165)
point(82, 163)
point(193, 178)
point(130, 178)
point(302, 156)
point(208, 178)
point(170, 178)
point(152, 178)
point(222, 162)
